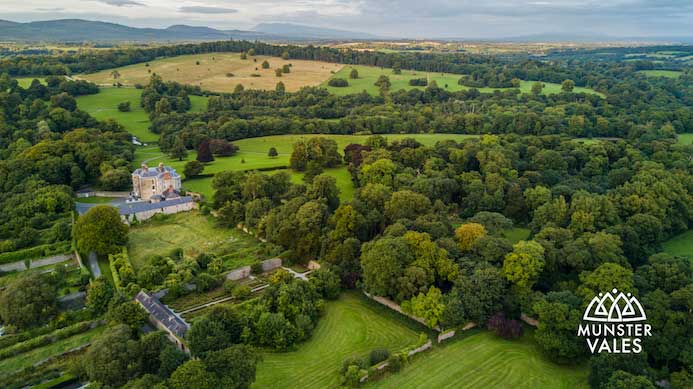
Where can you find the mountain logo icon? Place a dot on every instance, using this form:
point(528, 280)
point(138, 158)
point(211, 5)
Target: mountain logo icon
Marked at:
point(614, 307)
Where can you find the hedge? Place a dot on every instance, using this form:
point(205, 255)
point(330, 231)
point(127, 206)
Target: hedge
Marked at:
point(46, 339)
point(36, 252)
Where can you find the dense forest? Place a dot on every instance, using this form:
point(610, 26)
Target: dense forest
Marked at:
point(48, 148)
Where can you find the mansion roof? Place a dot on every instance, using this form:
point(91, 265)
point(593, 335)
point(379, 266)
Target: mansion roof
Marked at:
point(159, 171)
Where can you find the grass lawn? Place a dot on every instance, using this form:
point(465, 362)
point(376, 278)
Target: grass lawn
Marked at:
point(195, 234)
point(29, 358)
point(368, 75)
point(95, 200)
point(516, 234)
point(661, 73)
point(483, 360)
point(25, 82)
point(686, 139)
point(681, 244)
point(104, 105)
point(212, 72)
point(351, 326)
point(253, 155)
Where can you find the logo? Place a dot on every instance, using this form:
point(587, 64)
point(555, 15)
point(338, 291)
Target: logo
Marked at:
point(614, 322)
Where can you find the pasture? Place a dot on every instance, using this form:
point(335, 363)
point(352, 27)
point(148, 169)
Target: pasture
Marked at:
point(661, 73)
point(350, 326)
point(368, 75)
point(221, 72)
point(104, 105)
point(195, 234)
point(681, 244)
point(253, 155)
point(484, 360)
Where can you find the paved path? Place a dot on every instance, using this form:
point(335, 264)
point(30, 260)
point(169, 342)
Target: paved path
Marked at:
point(72, 296)
point(215, 302)
point(34, 263)
point(94, 265)
point(300, 276)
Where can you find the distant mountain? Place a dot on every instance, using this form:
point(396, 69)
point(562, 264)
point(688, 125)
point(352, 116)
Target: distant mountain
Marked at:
point(590, 38)
point(308, 32)
point(78, 30)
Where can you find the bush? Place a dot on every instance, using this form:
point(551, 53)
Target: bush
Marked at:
point(241, 292)
point(378, 355)
point(503, 327)
point(394, 363)
point(36, 252)
point(256, 268)
point(418, 82)
point(338, 83)
point(353, 361)
point(124, 106)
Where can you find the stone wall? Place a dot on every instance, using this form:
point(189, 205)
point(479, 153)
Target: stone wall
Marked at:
point(167, 210)
point(395, 307)
point(244, 272)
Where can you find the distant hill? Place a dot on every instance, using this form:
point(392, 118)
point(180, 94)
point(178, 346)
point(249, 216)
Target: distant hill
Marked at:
point(78, 30)
point(307, 32)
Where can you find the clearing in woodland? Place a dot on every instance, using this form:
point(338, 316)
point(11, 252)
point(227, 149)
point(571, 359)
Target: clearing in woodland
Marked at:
point(221, 72)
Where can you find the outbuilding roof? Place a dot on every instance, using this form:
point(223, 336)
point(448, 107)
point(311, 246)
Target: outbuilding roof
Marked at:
point(143, 206)
point(162, 314)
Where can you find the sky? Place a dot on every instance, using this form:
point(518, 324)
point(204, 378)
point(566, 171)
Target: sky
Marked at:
point(471, 19)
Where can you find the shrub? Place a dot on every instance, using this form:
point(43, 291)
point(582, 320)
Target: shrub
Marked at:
point(378, 355)
point(353, 361)
point(256, 268)
point(124, 106)
point(418, 82)
point(504, 327)
point(338, 83)
point(229, 74)
point(241, 292)
point(394, 363)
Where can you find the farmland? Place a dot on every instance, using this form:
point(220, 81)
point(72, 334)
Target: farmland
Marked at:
point(368, 75)
point(351, 326)
point(483, 360)
point(194, 234)
point(213, 72)
point(104, 105)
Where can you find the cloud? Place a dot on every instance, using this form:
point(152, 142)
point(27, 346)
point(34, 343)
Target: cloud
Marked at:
point(198, 9)
point(57, 9)
point(122, 3)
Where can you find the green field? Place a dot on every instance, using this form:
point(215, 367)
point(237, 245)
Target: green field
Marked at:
point(368, 75)
point(483, 360)
point(195, 234)
point(253, 155)
point(661, 73)
point(25, 82)
point(351, 326)
point(686, 139)
point(681, 244)
point(516, 234)
point(28, 358)
point(104, 105)
point(341, 174)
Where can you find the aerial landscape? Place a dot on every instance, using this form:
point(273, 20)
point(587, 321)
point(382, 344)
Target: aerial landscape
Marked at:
point(346, 194)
